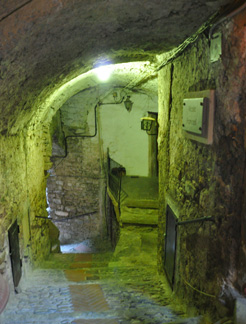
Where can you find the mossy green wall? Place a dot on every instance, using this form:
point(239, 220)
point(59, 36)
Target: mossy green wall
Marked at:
point(22, 193)
point(199, 180)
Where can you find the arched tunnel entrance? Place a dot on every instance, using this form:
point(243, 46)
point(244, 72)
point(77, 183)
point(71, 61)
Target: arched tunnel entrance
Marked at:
point(90, 128)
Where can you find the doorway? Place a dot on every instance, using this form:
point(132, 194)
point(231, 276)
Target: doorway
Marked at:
point(153, 146)
point(14, 251)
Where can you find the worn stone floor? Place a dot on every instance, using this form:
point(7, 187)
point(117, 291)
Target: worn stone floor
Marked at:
point(90, 288)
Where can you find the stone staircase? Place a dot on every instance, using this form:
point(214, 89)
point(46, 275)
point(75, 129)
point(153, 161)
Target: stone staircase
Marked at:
point(139, 219)
point(139, 216)
point(141, 205)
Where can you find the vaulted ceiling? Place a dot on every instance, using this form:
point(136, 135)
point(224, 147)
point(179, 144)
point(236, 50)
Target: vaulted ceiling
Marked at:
point(46, 43)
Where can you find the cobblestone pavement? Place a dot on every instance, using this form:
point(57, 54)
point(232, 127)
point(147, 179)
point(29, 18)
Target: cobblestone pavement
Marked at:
point(84, 288)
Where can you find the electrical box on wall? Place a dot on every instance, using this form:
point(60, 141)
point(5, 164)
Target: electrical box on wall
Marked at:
point(198, 116)
point(215, 47)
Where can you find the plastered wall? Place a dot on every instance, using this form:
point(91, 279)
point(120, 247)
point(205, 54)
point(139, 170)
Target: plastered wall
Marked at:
point(121, 132)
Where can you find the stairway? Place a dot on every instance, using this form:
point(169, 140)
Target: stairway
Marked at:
point(137, 243)
point(141, 205)
point(139, 215)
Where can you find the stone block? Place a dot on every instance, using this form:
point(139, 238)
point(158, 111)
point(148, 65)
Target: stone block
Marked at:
point(240, 311)
point(2, 257)
point(139, 216)
point(70, 209)
point(54, 237)
point(61, 213)
point(57, 201)
point(1, 240)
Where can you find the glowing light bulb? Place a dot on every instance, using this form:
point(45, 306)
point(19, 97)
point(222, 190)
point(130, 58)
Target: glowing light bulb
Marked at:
point(104, 72)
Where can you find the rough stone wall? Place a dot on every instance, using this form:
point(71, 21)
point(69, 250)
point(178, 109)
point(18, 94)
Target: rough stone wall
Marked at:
point(75, 185)
point(74, 188)
point(22, 193)
point(38, 152)
point(12, 191)
point(199, 180)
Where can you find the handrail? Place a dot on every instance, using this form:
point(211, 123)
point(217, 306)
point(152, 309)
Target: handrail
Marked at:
point(191, 221)
point(65, 218)
point(115, 173)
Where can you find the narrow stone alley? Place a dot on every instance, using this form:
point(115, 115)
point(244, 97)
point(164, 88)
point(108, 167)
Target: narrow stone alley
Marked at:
point(91, 288)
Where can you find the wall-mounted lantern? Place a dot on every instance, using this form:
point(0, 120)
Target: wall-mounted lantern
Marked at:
point(147, 123)
point(128, 104)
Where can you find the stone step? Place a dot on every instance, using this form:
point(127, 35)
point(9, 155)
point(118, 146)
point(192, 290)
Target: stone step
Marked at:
point(141, 203)
point(139, 216)
point(136, 245)
point(193, 320)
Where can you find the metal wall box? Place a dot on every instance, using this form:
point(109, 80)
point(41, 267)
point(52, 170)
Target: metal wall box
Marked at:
point(215, 47)
point(195, 115)
point(14, 251)
point(198, 116)
point(170, 245)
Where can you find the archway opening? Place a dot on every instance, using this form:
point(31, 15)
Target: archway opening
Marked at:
point(93, 124)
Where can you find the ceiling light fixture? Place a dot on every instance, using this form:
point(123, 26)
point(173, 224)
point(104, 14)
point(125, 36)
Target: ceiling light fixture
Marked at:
point(104, 72)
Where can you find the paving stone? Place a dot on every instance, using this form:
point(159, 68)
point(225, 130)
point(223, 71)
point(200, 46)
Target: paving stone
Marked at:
point(76, 275)
point(96, 321)
point(123, 295)
point(88, 298)
point(80, 265)
point(86, 257)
